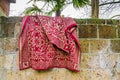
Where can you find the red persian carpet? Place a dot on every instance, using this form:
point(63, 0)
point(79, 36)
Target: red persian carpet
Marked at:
point(48, 42)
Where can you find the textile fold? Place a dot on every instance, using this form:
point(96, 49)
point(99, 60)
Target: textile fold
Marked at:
point(47, 42)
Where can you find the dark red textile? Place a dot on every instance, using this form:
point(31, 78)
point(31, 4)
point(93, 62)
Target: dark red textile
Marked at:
point(47, 42)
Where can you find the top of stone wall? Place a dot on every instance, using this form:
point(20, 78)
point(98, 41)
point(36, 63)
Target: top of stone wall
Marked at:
point(98, 21)
point(10, 19)
point(79, 21)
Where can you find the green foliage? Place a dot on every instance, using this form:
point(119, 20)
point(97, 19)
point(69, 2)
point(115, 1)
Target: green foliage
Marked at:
point(33, 10)
point(79, 3)
point(57, 5)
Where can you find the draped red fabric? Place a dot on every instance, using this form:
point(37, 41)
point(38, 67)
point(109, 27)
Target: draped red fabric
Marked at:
point(48, 42)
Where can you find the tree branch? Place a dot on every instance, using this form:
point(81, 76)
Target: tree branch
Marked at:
point(109, 3)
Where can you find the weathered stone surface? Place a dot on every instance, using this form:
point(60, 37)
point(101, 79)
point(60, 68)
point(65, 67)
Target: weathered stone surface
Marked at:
point(3, 19)
point(118, 30)
point(16, 61)
point(17, 30)
point(9, 29)
point(115, 46)
point(118, 64)
point(22, 75)
point(9, 61)
point(2, 61)
point(114, 74)
point(107, 31)
point(31, 74)
point(118, 76)
point(10, 45)
point(12, 75)
point(2, 74)
point(114, 60)
point(82, 75)
point(1, 30)
point(62, 74)
point(68, 75)
point(113, 22)
point(100, 74)
point(51, 74)
point(98, 46)
point(14, 19)
point(108, 61)
point(1, 46)
point(84, 45)
point(87, 31)
point(89, 62)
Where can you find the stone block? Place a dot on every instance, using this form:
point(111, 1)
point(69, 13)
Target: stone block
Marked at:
point(68, 75)
point(87, 31)
point(118, 64)
point(113, 22)
point(108, 61)
point(51, 74)
point(9, 29)
point(10, 45)
point(89, 62)
point(115, 46)
point(114, 61)
point(100, 74)
point(22, 75)
point(119, 31)
point(31, 74)
point(17, 30)
point(3, 19)
point(81, 21)
point(1, 46)
point(107, 31)
point(12, 75)
point(62, 74)
point(118, 76)
point(99, 46)
point(14, 19)
point(10, 62)
point(82, 75)
point(114, 74)
point(2, 61)
point(84, 45)
point(1, 30)
point(2, 74)
point(16, 61)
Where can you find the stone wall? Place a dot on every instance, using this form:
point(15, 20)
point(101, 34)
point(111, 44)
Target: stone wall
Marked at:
point(100, 44)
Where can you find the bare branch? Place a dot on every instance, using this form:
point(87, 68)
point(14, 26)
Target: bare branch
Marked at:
point(109, 3)
point(115, 16)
